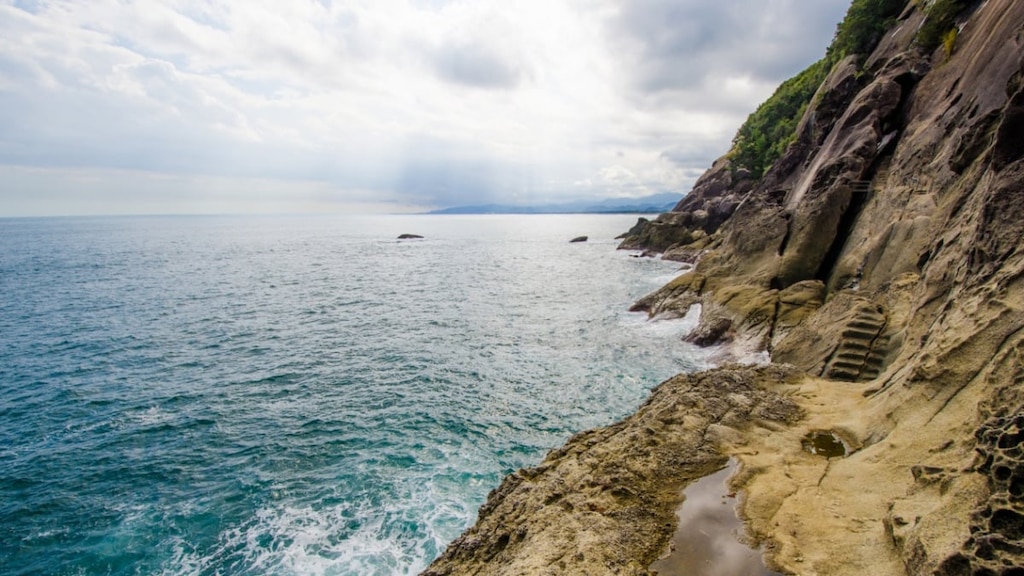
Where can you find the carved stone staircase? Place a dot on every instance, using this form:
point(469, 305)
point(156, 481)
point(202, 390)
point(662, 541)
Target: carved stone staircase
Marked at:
point(862, 350)
point(877, 183)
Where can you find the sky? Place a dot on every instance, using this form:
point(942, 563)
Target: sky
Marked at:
point(291, 106)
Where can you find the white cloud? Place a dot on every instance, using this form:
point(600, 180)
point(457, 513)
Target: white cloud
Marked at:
point(400, 102)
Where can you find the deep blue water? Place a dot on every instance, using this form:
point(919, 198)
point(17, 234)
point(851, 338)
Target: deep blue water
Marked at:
point(299, 395)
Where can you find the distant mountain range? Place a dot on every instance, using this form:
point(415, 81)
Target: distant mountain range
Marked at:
point(656, 203)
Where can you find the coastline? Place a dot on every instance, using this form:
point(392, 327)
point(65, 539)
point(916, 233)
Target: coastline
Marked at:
point(605, 502)
point(878, 261)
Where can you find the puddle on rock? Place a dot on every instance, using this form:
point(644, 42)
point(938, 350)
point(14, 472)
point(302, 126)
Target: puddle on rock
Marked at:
point(824, 443)
point(707, 542)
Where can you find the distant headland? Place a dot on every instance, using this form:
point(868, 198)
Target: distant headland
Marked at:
point(653, 204)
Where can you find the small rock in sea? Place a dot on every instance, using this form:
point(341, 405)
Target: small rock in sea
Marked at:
point(578, 239)
point(409, 236)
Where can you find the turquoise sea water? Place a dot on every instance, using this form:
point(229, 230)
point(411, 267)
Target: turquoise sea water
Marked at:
point(299, 395)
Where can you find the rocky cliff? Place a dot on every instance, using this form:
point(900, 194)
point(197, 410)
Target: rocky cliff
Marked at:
point(879, 261)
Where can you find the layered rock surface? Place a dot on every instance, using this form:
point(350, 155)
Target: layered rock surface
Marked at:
point(881, 258)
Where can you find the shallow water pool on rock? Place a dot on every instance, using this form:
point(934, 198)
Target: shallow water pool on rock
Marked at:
point(708, 541)
point(825, 443)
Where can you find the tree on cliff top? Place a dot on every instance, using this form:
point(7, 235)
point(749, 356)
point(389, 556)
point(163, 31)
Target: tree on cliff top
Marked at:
point(863, 26)
point(763, 138)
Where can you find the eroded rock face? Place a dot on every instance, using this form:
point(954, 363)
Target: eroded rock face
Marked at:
point(996, 545)
point(909, 211)
point(882, 257)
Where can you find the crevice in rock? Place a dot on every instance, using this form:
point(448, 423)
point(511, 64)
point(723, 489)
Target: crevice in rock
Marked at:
point(908, 82)
point(923, 260)
point(858, 198)
point(860, 193)
point(789, 230)
point(774, 321)
point(828, 465)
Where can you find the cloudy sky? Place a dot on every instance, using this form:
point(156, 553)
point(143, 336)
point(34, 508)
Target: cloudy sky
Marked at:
point(212, 106)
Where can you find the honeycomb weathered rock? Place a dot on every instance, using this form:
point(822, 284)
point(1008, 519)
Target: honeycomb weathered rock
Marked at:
point(996, 545)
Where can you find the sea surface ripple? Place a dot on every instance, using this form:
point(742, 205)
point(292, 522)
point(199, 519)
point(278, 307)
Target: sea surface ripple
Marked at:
point(299, 395)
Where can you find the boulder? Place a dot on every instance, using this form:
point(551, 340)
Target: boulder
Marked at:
point(711, 332)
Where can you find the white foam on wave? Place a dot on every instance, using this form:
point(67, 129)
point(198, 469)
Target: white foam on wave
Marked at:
point(395, 540)
point(755, 358)
point(743, 352)
point(664, 327)
point(662, 279)
point(151, 416)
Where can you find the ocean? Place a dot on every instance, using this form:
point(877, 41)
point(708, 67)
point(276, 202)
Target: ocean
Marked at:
point(300, 395)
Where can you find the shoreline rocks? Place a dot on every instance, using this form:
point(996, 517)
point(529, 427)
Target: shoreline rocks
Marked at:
point(605, 502)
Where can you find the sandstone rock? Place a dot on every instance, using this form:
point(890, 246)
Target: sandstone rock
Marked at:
point(795, 304)
point(687, 254)
point(635, 230)
point(710, 332)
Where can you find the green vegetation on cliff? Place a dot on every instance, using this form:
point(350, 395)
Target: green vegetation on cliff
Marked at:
point(940, 24)
point(863, 26)
point(772, 127)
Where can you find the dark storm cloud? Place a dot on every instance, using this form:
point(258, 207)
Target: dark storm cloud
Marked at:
point(694, 44)
point(474, 65)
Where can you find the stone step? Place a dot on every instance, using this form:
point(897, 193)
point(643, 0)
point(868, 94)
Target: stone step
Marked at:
point(862, 349)
point(852, 367)
point(864, 345)
point(856, 358)
point(860, 334)
point(861, 324)
point(880, 349)
point(869, 374)
point(840, 374)
point(874, 361)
